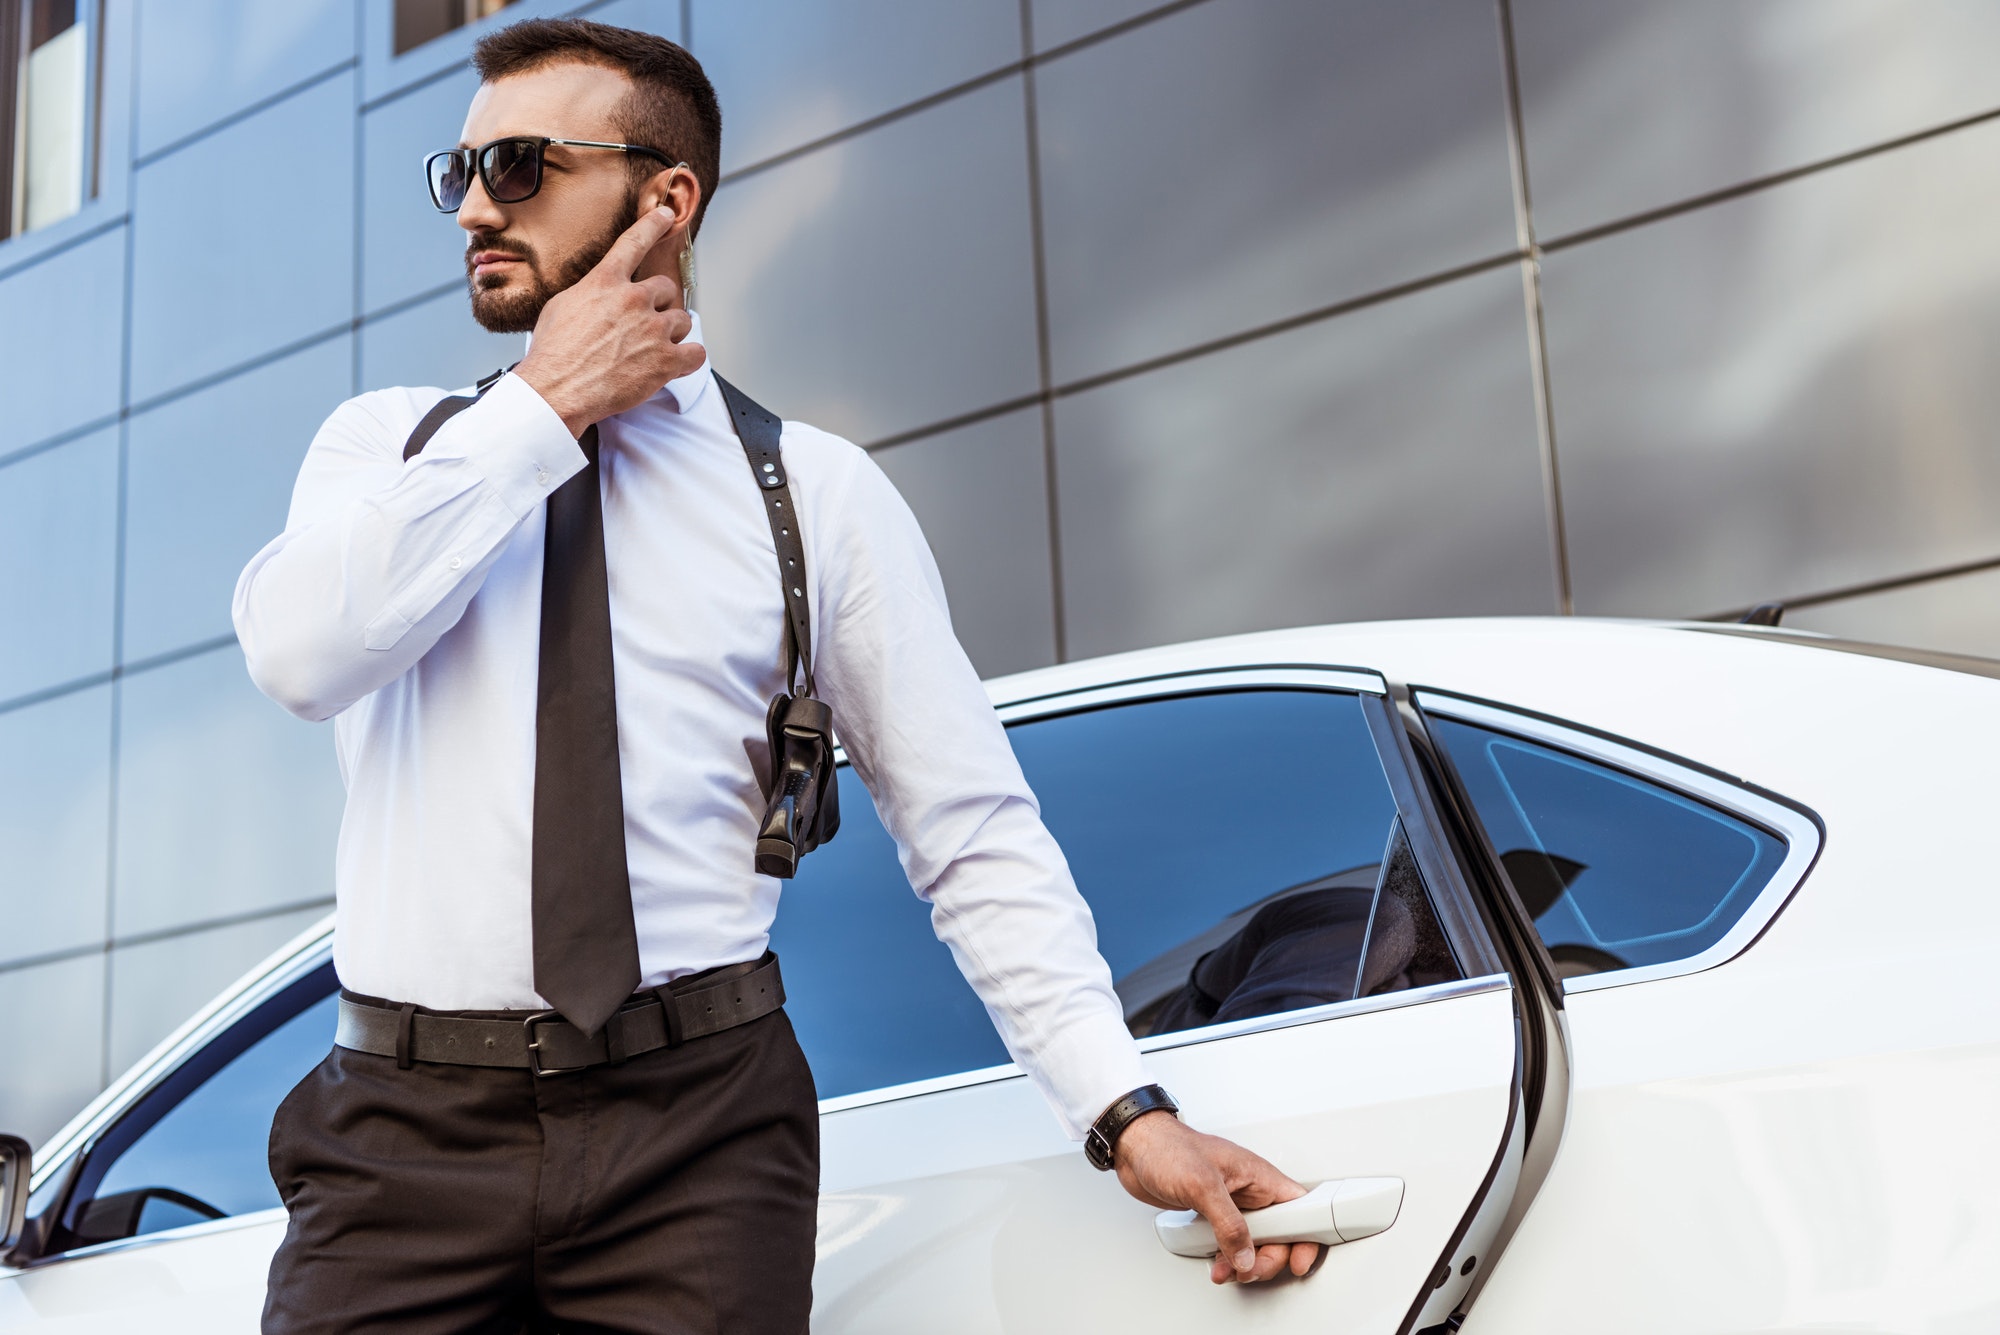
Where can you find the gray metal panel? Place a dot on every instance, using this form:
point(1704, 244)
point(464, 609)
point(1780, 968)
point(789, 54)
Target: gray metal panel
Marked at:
point(790, 71)
point(1632, 104)
point(434, 343)
point(55, 1060)
point(157, 985)
point(1379, 464)
point(226, 804)
point(203, 60)
point(60, 323)
point(208, 481)
point(237, 252)
point(1789, 392)
point(407, 246)
point(58, 545)
point(981, 494)
point(55, 811)
point(884, 282)
point(1246, 160)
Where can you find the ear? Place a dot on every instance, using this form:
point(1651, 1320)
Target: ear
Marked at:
point(678, 189)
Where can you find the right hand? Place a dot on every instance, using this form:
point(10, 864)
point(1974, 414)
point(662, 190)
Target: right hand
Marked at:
point(610, 342)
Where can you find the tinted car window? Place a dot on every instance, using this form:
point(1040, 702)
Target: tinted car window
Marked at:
point(195, 1148)
point(1617, 871)
point(1231, 847)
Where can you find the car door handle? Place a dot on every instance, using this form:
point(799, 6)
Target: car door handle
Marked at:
point(1344, 1210)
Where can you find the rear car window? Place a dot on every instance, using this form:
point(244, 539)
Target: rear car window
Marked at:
point(1617, 871)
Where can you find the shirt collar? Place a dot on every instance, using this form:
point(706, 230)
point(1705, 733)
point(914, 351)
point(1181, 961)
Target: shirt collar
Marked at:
point(686, 390)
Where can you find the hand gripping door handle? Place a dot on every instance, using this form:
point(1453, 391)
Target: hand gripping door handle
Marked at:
point(1345, 1210)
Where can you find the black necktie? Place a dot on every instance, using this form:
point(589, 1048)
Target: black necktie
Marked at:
point(586, 947)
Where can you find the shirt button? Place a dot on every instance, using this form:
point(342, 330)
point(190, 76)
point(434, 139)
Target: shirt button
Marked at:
point(457, 562)
point(541, 477)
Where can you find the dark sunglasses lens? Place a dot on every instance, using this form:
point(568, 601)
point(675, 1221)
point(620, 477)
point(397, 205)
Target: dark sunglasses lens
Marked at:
point(448, 180)
point(513, 169)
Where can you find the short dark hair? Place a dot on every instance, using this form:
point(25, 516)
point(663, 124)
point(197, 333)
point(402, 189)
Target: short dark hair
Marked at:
point(672, 106)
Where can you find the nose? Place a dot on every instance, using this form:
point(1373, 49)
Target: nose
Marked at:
point(479, 213)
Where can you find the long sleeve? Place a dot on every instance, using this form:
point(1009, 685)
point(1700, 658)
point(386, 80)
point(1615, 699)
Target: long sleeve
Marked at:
point(923, 736)
point(380, 557)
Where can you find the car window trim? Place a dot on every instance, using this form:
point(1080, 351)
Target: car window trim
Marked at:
point(229, 1223)
point(1801, 829)
point(1183, 1038)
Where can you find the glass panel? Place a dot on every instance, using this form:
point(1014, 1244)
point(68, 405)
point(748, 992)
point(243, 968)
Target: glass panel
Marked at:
point(420, 21)
point(206, 1158)
point(1246, 160)
point(1786, 393)
point(789, 71)
point(58, 538)
point(1220, 870)
point(1380, 464)
point(209, 479)
point(196, 1148)
point(55, 82)
point(384, 69)
point(1617, 872)
point(226, 804)
point(200, 60)
point(55, 1057)
point(1635, 104)
point(55, 814)
point(1960, 616)
point(155, 987)
point(407, 246)
point(436, 343)
point(59, 340)
point(884, 282)
point(981, 494)
point(1059, 21)
point(222, 269)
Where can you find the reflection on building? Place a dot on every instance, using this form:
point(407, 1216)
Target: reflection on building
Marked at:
point(1170, 320)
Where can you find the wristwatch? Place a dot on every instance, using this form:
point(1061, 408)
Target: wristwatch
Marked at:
point(1102, 1142)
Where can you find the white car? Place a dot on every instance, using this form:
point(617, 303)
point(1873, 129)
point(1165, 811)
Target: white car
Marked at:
point(1619, 977)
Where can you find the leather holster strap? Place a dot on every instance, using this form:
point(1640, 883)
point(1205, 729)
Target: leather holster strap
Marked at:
point(545, 1043)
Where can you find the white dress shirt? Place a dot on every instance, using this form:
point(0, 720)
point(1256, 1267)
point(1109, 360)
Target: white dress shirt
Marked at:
point(404, 601)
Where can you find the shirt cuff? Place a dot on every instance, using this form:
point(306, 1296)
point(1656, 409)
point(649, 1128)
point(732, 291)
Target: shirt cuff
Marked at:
point(516, 441)
point(1086, 1068)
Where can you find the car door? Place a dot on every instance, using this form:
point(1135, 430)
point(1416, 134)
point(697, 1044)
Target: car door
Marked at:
point(1302, 960)
point(160, 1214)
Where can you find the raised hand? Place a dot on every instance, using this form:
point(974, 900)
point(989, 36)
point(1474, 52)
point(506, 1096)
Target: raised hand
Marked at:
point(1173, 1166)
point(610, 341)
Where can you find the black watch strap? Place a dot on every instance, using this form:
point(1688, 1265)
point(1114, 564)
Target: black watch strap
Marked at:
point(1102, 1142)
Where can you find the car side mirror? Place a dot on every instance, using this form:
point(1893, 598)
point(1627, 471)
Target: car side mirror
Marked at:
point(16, 1156)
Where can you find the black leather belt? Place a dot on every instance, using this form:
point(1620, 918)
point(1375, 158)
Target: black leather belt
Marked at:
point(547, 1044)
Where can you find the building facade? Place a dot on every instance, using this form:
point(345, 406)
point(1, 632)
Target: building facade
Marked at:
point(1170, 320)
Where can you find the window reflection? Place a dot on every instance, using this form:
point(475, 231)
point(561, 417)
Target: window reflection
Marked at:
point(1240, 852)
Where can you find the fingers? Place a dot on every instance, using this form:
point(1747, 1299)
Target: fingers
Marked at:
point(1261, 1182)
point(629, 250)
point(1271, 1261)
point(1232, 1235)
point(1304, 1255)
point(663, 291)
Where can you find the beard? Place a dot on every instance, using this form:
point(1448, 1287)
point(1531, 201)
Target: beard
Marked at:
point(502, 306)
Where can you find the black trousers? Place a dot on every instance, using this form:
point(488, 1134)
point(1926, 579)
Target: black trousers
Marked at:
point(676, 1192)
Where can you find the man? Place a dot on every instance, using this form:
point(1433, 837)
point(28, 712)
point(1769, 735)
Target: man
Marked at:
point(551, 817)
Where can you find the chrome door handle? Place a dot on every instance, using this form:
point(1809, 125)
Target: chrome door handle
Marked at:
point(1345, 1210)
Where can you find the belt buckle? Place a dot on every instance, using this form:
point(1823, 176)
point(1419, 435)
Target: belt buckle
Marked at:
point(535, 1047)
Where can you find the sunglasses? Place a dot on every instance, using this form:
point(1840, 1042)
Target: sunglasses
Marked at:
point(510, 169)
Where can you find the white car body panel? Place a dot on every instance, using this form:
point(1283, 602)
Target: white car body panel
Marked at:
point(970, 1202)
point(1798, 1138)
